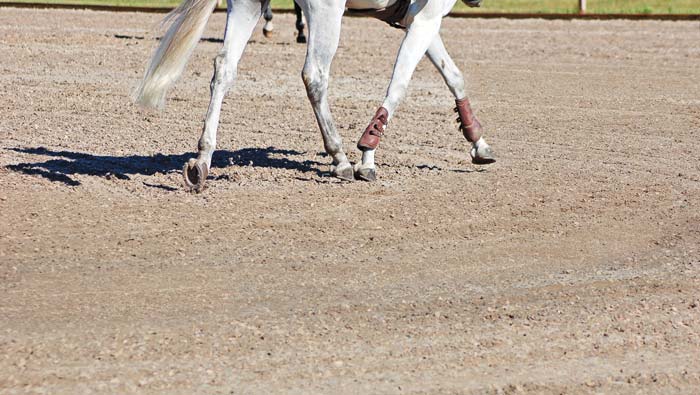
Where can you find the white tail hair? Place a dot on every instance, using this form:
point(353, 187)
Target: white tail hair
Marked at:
point(185, 26)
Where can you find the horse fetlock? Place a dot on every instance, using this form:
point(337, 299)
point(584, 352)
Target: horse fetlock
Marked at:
point(206, 146)
point(468, 124)
point(369, 141)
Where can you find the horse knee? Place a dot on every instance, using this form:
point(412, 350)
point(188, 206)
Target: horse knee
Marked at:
point(224, 72)
point(315, 81)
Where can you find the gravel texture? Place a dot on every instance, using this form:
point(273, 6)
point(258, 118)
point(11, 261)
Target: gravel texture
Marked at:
point(570, 266)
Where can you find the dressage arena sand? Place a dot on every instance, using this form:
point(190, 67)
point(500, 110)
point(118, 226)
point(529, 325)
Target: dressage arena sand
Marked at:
point(570, 266)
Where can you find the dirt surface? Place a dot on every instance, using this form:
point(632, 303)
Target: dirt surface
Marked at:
point(570, 266)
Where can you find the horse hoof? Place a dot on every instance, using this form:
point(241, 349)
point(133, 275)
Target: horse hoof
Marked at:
point(267, 33)
point(344, 172)
point(366, 174)
point(482, 156)
point(195, 175)
point(301, 39)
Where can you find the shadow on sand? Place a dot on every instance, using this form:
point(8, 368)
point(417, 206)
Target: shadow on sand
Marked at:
point(67, 163)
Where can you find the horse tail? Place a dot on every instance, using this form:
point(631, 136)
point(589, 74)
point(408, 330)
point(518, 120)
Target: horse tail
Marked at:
point(185, 26)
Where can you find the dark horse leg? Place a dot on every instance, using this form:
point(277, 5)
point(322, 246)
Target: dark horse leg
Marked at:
point(267, 29)
point(301, 38)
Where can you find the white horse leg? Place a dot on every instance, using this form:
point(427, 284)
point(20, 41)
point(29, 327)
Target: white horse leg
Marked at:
point(324, 19)
point(242, 16)
point(268, 27)
point(448, 69)
point(416, 42)
point(480, 152)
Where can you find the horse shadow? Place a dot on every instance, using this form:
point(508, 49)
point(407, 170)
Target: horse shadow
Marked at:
point(68, 163)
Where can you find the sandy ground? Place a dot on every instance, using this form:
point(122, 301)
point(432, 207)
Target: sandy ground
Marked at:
point(570, 266)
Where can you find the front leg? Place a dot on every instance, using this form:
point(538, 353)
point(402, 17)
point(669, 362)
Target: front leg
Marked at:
point(419, 35)
point(268, 27)
point(301, 38)
point(480, 152)
point(324, 19)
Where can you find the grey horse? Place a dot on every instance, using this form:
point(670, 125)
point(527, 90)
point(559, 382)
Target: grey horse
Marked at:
point(420, 19)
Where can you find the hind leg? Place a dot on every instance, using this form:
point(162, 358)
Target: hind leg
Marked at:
point(301, 38)
point(268, 27)
point(324, 34)
point(241, 19)
point(471, 128)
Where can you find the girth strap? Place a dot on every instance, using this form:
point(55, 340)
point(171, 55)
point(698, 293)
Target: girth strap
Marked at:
point(393, 14)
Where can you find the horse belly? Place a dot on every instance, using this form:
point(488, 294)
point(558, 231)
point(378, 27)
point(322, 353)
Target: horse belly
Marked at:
point(368, 4)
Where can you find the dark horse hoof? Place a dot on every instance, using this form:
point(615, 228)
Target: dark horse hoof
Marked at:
point(301, 39)
point(368, 175)
point(195, 175)
point(344, 172)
